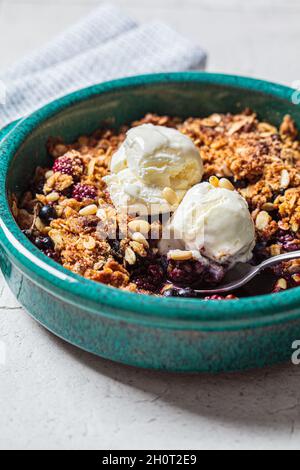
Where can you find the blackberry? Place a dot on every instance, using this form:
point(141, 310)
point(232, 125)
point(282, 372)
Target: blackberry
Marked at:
point(83, 191)
point(150, 276)
point(215, 273)
point(291, 246)
point(68, 165)
point(145, 284)
point(214, 297)
point(220, 297)
point(186, 273)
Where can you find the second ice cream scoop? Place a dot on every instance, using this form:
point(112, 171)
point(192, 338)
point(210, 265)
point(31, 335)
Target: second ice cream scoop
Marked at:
point(215, 223)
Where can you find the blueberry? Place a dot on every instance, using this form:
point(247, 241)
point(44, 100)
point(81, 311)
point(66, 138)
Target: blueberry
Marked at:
point(239, 184)
point(44, 243)
point(187, 292)
point(47, 214)
point(170, 293)
point(115, 249)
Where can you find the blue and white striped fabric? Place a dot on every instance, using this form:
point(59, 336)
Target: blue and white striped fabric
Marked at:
point(107, 44)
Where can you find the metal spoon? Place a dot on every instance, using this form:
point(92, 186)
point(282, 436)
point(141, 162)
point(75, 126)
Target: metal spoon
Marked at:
point(244, 273)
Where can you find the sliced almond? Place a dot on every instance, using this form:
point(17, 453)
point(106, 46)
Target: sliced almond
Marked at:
point(139, 237)
point(285, 179)
point(138, 225)
point(91, 167)
point(130, 256)
point(237, 126)
point(89, 210)
point(170, 196)
point(99, 265)
point(214, 181)
point(57, 239)
point(294, 268)
point(281, 284)
point(262, 220)
point(226, 184)
point(296, 278)
point(180, 255)
point(139, 249)
point(53, 197)
point(269, 207)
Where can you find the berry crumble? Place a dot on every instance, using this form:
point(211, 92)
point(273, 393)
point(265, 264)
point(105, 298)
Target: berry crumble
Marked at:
point(70, 211)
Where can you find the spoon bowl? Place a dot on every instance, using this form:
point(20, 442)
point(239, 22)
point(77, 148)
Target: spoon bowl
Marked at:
point(243, 273)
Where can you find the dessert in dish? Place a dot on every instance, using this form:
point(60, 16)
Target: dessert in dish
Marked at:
point(168, 206)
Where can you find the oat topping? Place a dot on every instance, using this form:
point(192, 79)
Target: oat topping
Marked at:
point(65, 203)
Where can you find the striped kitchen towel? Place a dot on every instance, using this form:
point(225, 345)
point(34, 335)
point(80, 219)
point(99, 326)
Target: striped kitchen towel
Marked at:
point(106, 44)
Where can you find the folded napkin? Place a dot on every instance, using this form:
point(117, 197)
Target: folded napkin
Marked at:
point(107, 44)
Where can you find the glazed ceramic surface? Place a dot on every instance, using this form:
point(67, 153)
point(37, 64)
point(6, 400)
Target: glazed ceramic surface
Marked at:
point(160, 333)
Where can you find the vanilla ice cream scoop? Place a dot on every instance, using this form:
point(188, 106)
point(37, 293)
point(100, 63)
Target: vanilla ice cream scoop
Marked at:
point(151, 159)
point(213, 222)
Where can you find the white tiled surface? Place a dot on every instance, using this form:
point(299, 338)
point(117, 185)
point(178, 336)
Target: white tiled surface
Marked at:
point(54, 396)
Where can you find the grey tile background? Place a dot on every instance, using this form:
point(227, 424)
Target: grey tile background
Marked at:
point(55, 396)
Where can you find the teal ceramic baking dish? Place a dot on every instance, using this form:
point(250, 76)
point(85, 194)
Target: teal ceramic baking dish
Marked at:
point(158, 333)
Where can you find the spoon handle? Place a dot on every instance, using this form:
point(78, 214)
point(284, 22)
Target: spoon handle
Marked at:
point(279, 259)
point(251, 274)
